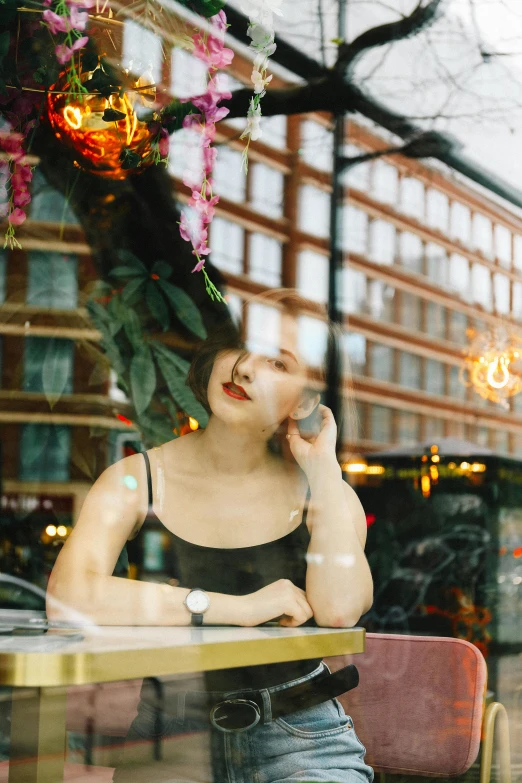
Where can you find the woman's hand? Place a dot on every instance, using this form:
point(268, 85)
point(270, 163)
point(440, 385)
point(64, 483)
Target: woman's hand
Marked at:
point(314, 452)
point(281, 600)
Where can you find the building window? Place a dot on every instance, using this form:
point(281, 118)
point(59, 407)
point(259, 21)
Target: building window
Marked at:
point(52, 280)
point(48, 365)
point(483, 234)
point(435, 320)
point(227, 245)
point(312, 339)
point(412, 197)
point(458, 323)
point(502, 442)
point(263, 329)
point(355, 230)
point(409, 370)
point(460, 223)
point(501, 293)
point(410, 311)
point(408, 426)
point(314, 211)
point(359, 175)
point(354, 351)
point(312, 275)
point(517, 252)
point(274, 131)
point(44, 452)
point(503, 245)
point(316, 145)
point(229, 176)
point(437, 264)
point(380, 301)
point(433, 428)
point(382, 242)
point(482, 436)
point(382, 359)
point(186, 156)
point(48, 204)
point(188, 74)
point(235, 306)
point(385, 182)
point(411, 252)
point(267, 190)
point(459, 275)
point(142, 51)
point(265, 260)
point(354, 291)
point(437, 210)
point(456, 387)
point(481, 286)
point(380, 421)
point(435, 377)
point(3, 274)
point(516, 307)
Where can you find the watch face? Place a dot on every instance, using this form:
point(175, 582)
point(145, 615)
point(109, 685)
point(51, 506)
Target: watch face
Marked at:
point(197, 601)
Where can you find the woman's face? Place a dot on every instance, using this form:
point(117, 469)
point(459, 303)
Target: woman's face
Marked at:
point(263, 388)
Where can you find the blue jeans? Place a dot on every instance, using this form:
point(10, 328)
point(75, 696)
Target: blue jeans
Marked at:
point(314, 745)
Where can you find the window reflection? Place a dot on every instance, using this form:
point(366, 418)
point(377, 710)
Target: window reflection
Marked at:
point(312, 275)
point(52, 280)
point(227, 245)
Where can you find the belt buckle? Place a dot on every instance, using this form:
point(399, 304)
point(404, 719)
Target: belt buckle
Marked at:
point(228, 715)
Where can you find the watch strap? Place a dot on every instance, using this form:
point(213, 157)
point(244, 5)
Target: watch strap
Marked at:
point(196, 619)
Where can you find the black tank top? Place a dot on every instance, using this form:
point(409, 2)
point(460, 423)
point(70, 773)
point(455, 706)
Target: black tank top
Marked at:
point(240, 571)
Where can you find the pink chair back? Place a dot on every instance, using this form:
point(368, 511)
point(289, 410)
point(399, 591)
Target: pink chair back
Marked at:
point(418, 707)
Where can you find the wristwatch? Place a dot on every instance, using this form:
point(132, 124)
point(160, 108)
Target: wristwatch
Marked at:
point(197, 602)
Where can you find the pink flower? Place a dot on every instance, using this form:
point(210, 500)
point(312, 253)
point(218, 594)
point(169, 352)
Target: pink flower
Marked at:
point(17, 217)
point(212, 52)
point(219, 21)
point(199, 266)
point(10, 141)
point(164, 143)
point(81, 3)
point(79, 18)
point(209, 158)
point(192, 120)
point(57, 24)
point(21, 197)
point(64, 53)
point(203, 206)
point(184, 228)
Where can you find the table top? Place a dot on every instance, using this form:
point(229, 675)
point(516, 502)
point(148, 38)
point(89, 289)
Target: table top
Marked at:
point(110, 653)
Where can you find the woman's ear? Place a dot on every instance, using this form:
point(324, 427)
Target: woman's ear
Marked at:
point(307, 405)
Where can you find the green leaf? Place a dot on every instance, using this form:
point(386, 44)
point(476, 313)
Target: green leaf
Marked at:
point(90, 61)
point(174, 371)
point(55, 372)
point(129, 159)
point(126, 271)
point(130, 293)
point(98, 313)
point(184, 307)
point(100, 288)
point(129, 259)
point(206, 8)
point(161, 350)
point(142, 378)
point(162, 269)
point(113, 115)
point(157, 305)
point(117, 313)
point(155, 429)
point(132, 326)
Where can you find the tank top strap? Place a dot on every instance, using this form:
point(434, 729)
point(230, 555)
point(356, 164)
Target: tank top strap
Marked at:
point(307, 502)
point(149, 477)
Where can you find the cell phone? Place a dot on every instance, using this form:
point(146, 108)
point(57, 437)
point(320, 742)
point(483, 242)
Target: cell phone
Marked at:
point(311, 425)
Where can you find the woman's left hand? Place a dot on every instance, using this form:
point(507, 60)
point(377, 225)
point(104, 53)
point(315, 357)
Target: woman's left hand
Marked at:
point(314, 452)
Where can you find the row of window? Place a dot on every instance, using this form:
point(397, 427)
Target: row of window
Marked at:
point(52, 279)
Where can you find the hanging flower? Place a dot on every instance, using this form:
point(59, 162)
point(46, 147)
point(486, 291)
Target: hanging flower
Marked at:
point(64, 53)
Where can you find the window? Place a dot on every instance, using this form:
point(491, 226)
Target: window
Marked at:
point(48, 365)
point(482, 436)
point(459, 275)
point(458, 323)
point(517, 251)
point(48, 204)
point(229, 176)
point(409, 370)
point(355, 230)
point(516, 307)
point(188, 74)
point(437, 210)
point(267, 190)
point(502, 441)
point(481, 286)
point(482, 234)
point(460, 223)
point(435, 377)
point(3, 274)
point(501, 293)
point(456, 387)
point(354, 291)
point(274, 130)
point(186, 156)
point(52, 280)
point(358, 176)
point(312, 340)
point(44, 452)
point(410, 311)
point(380, 421)
point(382, 242)
point(435, 320)
point(433, 428)
point(503, 245)
point(408, 425)
point(265, 260)
point(385, 182)
point(382, 357)
point(235, 306)
point(380, 301)
point(227, 245)
point(312, 275)
point(316, 145)
point(411, 252)
point(314, 211)
point(354, 348)
point(142, 51)
point(437, 264)
point(412, 197)
point(263, 329)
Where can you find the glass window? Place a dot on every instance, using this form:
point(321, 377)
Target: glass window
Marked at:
point(316, 145)
point(265, 260)
point(409, 370)
point(229, 175)
point(516, 307)
point(382, 242)
point(481, 286)
point(354, 348)
point(458, 323)
point(482, 436)
point(503, 245)
point(433, 428)
point(437, 210)
point(235, 306)
point(314, 211)
point(435, 320)
point(3, 274)
point(312, 275)
point(227, 245)
point(49, 204)
point(188, 74)
point(48, 365)
point(186, 156)
point(44, 452)
point(412, 197)
point(354, 291)
point(381, 366)
point(380, 421)
point(274, 131)
point(437, 264)
point(411, 252)
point(263, 328)
point(459, 275)
point(460, 222)
point(358, 176)
point(502, 441)
point(410, 310)
point(267, 190)
point(312, 340)
point(435, 377)
point(52, 280)
point(355, 230)
point(380, 301)
point(483, 234)
point(142, 50)
point(408, 425)
point(456, 387)
point(385, 182)
point(517, 251)
point(501, 293)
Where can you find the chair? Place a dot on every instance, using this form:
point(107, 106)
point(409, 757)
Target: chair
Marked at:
point(420, 707)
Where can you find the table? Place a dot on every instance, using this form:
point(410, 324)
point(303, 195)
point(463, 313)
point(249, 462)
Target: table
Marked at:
point(42, 668)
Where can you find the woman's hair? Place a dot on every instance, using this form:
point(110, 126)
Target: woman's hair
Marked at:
point(227, 337)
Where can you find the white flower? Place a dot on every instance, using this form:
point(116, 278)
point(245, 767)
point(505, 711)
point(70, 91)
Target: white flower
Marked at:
point(253, 127)
point(259, 82)
point(262, 10)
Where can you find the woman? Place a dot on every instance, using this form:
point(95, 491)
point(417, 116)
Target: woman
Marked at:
point(258, 539)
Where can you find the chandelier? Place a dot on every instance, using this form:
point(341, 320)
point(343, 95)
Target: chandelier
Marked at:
point(493, 364)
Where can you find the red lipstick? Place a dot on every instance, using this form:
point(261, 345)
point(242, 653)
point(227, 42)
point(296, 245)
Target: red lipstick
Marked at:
point(235, 391)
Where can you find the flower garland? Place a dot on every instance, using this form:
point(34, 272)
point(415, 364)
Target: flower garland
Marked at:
point(68, 18)
point(211, 50)
point(16, 176)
